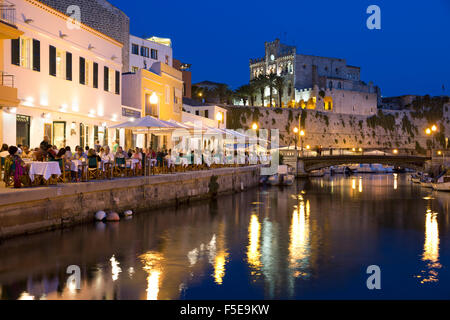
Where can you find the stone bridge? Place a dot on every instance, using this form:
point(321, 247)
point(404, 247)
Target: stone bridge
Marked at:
point(308, 164)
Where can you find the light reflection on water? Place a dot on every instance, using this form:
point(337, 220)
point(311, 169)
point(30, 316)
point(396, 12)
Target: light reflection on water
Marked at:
point(311, 240)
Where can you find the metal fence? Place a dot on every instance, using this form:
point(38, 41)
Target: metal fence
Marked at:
point(7, 12)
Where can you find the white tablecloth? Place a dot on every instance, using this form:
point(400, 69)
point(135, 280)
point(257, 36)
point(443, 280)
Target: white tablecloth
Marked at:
point(45, 169)
point(131, 163)
point(74, 165)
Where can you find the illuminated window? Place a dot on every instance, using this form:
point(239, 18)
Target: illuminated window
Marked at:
point(88, 73)
point(26, 53)
point(60, 64)
point(112, 80)
point(134, 69)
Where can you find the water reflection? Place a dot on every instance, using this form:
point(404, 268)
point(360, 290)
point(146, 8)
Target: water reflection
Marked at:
point(299, 239)
point(253, 249)
point(431, 248)
point(152, 266)
point(296, 242)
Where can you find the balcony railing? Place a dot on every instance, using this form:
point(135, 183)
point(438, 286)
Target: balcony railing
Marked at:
point(6, 80)
point(7, 12)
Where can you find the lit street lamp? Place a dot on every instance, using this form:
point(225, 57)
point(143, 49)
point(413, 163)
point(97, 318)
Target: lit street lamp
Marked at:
point(429, 132)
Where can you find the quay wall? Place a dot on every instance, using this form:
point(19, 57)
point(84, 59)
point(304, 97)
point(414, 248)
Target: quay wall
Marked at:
point(404, 130)
point(26, 211)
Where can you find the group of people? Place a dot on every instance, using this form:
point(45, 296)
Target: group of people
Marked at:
point(14, 158)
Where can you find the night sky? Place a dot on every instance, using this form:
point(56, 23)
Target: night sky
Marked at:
point(409, 55)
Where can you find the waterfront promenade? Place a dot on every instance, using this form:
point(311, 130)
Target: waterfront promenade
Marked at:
point(30, 210)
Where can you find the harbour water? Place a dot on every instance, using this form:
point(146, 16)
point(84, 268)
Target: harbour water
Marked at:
point(312, 240)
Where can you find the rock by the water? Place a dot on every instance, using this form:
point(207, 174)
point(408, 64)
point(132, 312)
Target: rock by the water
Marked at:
point(112, 216)
point(100, 215)
point(128, 213)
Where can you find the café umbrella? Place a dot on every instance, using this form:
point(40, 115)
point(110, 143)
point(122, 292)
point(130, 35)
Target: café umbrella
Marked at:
point(149, 123)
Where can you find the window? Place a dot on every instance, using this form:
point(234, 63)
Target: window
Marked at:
point(82, 70)
point(88, 66)
point(52, 61)
point(145, 52)
point(61, 71)
point(135, 49)
point(68, 66)
point(106, 79)
point(23, 130)
point(154, 54)
point(111, 80)
point(167, 94)
point(167, 59)
point(206, 113)
point(59, 134)
point(95, 74)
point(134, 69)
point(117, 83)
point(26, 52)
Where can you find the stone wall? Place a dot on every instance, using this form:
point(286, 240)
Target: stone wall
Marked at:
point(25, 211)
point(385, 130)
point(101, 16)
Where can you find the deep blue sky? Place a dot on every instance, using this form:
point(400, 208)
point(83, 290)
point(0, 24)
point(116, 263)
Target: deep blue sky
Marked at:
point(409, 55)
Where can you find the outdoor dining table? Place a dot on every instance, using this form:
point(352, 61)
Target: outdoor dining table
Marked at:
point(44, 169)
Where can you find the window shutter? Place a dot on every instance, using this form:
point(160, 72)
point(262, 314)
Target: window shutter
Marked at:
point(117, 82)
point(36, 55)
point(68, 66)
point(15, 49)
point(82, 70)
point(106, 79)
point(95, 75)
point(52, 61)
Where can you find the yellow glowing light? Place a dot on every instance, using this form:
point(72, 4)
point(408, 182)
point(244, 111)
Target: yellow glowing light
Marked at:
point(115, 269)
point(431, 246)
point(299, 237)
point(295, 130)
point(433, 128)
point(253, 253)
point(354, 184)
point(152, 265)
point(219, 267)
point(395, 181)
point(302, 133)
point(219, 116)
point(439, 152)
point(395, 151)
point(255, 126)
point(308, 147)
point(153, 98)
point(428, 131)
point(360, 149)
point(354, 149)
point(360, 188)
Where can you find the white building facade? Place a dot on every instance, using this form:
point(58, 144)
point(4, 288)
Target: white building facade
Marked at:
point(68, 79)
point(145, 52)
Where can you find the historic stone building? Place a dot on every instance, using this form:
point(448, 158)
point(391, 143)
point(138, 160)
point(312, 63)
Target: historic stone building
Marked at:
point(314, 82)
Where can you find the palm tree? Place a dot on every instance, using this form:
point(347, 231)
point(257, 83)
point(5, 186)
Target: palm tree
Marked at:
point(271, 83)
point(242, 93)
point(223, 93)
point(279, 85)
point(260, 83)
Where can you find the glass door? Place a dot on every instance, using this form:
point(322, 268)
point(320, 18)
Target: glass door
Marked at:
point(23, 130)
point(59, 134)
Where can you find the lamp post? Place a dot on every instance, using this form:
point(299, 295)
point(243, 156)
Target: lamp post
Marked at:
point(302, 134)
point(295, 132)
point(431, 132)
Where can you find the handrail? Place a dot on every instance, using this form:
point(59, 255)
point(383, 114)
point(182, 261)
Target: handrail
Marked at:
point(7, 12)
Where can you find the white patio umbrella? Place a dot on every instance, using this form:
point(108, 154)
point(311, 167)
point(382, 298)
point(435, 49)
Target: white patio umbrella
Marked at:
point(149, 123)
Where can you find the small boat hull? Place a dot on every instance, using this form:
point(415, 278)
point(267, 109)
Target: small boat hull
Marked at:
point(445, 186)
point(426, 184)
